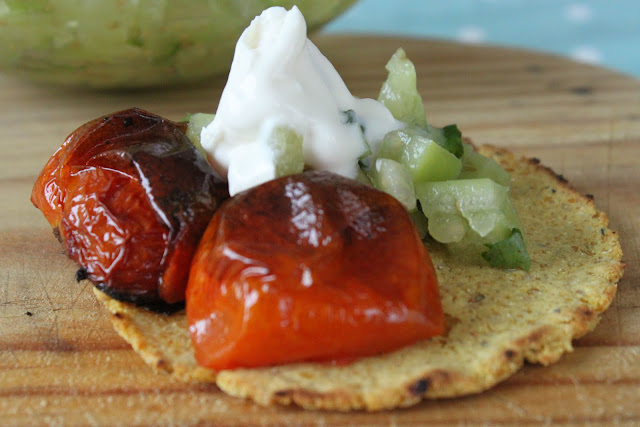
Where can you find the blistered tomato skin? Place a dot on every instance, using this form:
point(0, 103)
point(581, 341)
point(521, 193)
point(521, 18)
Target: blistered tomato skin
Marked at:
point(311, 267)
point(130, 196)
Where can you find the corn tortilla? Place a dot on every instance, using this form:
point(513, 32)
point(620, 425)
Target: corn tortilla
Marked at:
point(496, 319)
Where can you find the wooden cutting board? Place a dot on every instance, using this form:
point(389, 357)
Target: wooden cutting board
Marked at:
point(62, 363)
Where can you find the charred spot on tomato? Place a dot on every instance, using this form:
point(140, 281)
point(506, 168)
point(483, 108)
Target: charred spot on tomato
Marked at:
point(143, 301)
point(81, 274)
point(330, 269)
point(130, 197)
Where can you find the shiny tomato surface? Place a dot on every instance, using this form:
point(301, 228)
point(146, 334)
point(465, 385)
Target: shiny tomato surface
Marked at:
point(129, 196)
point(310, 267)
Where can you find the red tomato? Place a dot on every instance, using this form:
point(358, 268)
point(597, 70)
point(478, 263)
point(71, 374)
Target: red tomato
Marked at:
point(129, 196)
point(311, 267)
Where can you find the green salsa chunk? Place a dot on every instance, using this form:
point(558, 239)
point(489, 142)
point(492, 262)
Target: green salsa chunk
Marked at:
point(508, 253)
point(399, 93)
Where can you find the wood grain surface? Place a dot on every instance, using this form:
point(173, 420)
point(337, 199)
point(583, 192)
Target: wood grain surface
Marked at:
point(62, 363)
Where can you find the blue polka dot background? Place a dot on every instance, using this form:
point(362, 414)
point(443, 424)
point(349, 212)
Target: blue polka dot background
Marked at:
point(602, 32)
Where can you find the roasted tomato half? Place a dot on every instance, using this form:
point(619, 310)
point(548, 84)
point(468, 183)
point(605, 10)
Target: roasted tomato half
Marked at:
point(310, 267)
point(129, 197)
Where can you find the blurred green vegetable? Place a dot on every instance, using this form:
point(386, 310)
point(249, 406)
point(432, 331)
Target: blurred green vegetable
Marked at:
point(132, 43)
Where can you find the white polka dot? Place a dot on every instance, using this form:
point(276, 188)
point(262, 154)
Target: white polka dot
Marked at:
point(578, 13)
point(588, 54)
point(471, 35)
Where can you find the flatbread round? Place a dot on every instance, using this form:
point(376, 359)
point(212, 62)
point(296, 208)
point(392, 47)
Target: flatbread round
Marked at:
point(496, 319)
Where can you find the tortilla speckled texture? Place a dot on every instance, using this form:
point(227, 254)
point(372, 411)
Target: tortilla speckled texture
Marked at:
point(496, 319)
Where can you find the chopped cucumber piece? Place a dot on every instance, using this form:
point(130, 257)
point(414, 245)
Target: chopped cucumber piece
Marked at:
point(454, 208)
point(475, 165)
point(447, 228)
point(197, 122)
point(362, 178)
point(399, 93)
point(286, 145)
point(395, 179)
point(449, 138)
point(420, 221)
point(508, 253)
point(425, 159)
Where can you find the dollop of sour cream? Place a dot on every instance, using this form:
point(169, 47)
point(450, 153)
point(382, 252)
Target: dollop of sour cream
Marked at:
point(279, 78)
